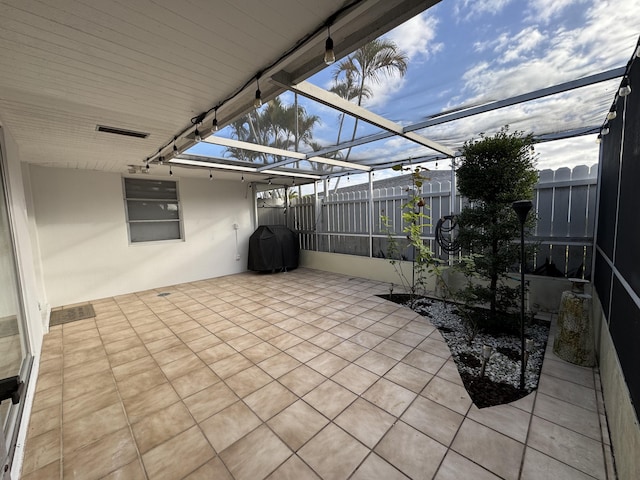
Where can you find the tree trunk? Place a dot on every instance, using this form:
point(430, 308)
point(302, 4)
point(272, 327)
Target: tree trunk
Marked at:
point(255, 136)
point(355, 124)
point(340, 128)
point(494, 270)
point(355, 128)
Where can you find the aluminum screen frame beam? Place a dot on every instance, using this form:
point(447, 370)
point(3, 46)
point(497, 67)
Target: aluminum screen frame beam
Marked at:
point(324, 97)
point(191, 162)
point(526, 97)
point(460, 114)
point(254, 147)
point(292, 156)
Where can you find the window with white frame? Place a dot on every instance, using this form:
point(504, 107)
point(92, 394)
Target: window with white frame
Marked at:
point(153, 210)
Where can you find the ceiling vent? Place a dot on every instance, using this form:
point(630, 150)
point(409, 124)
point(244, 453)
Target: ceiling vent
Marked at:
point(121, 131)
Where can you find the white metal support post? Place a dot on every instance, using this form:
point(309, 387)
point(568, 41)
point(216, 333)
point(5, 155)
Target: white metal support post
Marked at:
point(317, 215)
point(325, 214)
point(371, 214)
point(452, 197)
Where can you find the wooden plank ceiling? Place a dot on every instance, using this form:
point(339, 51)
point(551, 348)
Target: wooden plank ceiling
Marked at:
point(67, 66)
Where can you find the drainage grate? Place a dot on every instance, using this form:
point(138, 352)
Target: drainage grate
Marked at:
point(71, 314)
point(165, 294)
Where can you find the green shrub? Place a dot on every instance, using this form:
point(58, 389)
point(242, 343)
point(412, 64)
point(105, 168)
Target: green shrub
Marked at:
point(494, 171)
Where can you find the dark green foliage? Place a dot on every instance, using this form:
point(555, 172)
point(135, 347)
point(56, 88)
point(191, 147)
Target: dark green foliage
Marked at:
point(494, 172)
point(498, 170)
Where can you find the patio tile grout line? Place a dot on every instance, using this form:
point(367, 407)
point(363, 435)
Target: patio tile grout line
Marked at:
point(301, 363)
point(181, 400)
point(464, 417)
point(240, 399)
point(121, 400)
point(135, 442)
point(532, 415)
point(331, 421)
point(126, 415)
point(526, 440)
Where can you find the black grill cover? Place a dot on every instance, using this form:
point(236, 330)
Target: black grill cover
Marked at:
point(273, 247)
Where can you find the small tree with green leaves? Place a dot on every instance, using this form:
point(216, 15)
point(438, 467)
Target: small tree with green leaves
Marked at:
point(494, 172)
point(415, 220)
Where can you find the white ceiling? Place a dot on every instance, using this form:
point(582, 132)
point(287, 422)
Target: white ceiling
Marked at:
point(151, 65)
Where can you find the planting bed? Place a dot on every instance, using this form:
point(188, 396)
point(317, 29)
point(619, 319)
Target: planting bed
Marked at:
point(501, 380)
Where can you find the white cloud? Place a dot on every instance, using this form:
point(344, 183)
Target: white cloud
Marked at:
point(568, 152)
point(565, 111)
point(538, 116)
point(492, 44)
point(522, 44)
point(545, 10)
point(417, 39)
point(537, 55)
point(472, 9)
point(532, 58)
point(382, 92)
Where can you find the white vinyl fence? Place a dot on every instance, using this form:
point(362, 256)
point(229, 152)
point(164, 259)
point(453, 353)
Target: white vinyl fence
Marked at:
point(564, 200)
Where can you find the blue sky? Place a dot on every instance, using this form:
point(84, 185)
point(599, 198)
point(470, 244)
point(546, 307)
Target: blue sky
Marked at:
point(469, 52)
point(466, 52)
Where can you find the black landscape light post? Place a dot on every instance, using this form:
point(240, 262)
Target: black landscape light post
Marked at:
point(522, 208)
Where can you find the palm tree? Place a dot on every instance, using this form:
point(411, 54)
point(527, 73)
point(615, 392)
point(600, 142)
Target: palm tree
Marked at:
point(323, 168)
point(276, 125)
point(347, 89)
point(289, 126)
point(369, 65)
point(244, 129)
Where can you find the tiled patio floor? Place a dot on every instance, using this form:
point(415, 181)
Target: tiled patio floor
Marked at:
point(300, 375)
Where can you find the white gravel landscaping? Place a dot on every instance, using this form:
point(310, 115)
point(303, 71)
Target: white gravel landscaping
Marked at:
point(499, 368)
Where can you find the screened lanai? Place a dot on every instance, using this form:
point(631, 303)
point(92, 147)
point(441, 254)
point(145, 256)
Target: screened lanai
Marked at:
point(217, 101)
point(342, 127)
point(380, 143)
point(553, 87)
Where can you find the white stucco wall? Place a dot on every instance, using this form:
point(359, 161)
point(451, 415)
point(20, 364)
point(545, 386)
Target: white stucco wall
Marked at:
point(80, 219)
point(371, 268)
point(40, 293)
point(31, 299)
point(544, 292)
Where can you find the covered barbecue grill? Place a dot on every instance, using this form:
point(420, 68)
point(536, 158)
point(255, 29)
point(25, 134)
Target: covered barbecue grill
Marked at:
point(273, 248)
